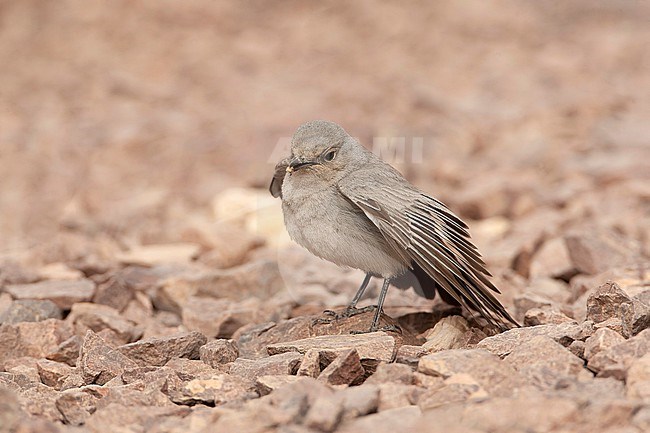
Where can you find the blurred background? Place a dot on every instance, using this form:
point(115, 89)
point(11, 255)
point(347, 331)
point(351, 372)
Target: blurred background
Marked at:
point(124, 123)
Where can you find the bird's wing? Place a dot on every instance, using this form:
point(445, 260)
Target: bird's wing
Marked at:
point(433, 237)
point(278, 177)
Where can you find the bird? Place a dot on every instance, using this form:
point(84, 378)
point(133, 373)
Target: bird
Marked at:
point(344, 204)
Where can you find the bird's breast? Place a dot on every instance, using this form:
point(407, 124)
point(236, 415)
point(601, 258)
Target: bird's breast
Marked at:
point(328, 225)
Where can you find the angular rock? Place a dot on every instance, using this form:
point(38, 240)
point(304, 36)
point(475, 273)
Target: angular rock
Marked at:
point(590, 253)
point(76, 405)
point(409, 355)
point(53, 374)
point(311, 364)
point(157, 351)
point(638, 379)
point(268, 383)
point(552, 260)
point(188, 369)
point(24, 369)
point(252, 340)
point(564, 333)
point(260, 279)
point(114, 292)
point(495, 376)
point(220, 318)
point(100, 362)
point(63, 293)
point(545, 363)
point(374, 346)
point(217, 389)
point(131, 418)
point(346, 369)
point(448, 333)
point(67, 351)
point(610, 302)
point(602, 339)
point(280, 364)
point(545, 316)
point(30, 310)
point(391, 373)
point(616, 360)
point(459, 387)
point(218, 352)
point(34, 339)
point(97, 318)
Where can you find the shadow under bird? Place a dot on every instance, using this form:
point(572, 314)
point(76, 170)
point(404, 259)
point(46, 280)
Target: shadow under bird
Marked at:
point(345, 205)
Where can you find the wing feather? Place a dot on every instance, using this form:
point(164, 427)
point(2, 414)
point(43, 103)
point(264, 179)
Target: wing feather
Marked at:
point(434, 238)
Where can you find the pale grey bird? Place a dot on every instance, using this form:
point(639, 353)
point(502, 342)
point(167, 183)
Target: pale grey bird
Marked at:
point(345, 205)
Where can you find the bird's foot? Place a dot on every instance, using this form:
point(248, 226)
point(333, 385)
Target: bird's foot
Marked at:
point(386, 328)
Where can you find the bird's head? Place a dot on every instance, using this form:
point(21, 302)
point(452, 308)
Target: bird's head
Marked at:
point(324, 149)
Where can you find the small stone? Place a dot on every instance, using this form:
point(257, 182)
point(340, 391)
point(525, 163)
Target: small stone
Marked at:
point(391, 373)
point(374, 346)
point(100, 362)
point(344, 370)
point(616, 360)
point(217, 389)
point(97, 318)
point(310, 364)
point(267, 383)
point(448, 333)
point(283, 363)
point(545, 316)
point(546, 363)
point(188, 369)
point(552, 260)
point(67, 351)
point(590, 253)
point(610, 302)
point(253, 339)
point(114, 292)
point(63, 293)
point(602, 339)
point(157, 351)
point(53, 374)
point(218, 352)
point(220, 318)
point(30, 310)
point(564, 333)
point(495, 376)
point(76, 405)
point(35, 339)
point(409, 355)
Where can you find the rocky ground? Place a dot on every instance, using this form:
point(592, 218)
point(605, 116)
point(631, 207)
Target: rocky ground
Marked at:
point(146, 280)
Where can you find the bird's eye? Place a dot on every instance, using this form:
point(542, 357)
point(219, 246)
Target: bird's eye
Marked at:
point(329, 155)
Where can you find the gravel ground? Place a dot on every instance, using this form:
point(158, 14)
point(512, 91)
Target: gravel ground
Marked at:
point(147, 283)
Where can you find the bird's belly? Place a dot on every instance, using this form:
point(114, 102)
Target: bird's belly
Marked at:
point(343, 237)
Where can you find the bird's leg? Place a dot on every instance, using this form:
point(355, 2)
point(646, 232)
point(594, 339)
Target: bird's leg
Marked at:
point(380, 304)
point(352, 309)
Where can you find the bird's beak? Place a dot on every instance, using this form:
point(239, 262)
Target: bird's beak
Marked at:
point(296, 164)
